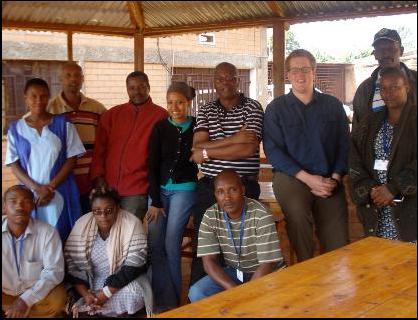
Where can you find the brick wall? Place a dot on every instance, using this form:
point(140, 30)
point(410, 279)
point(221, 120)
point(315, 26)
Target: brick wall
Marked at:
point(105, 59)
point(246, 41)
point(106, 82)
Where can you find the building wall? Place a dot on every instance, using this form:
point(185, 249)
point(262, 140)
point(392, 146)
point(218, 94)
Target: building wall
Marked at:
point(107, 60)
point(106, 82)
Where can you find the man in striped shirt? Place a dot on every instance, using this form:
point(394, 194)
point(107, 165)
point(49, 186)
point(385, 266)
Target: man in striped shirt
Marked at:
point(227, 136)
point(84, 113)
point(241, 231)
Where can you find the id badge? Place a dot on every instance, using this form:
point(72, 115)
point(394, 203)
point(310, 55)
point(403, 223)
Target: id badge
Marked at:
point(381, 165)
point(240, 275)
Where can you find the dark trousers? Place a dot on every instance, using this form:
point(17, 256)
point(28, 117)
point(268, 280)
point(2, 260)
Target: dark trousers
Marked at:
point(205, 199)
point(303, 210)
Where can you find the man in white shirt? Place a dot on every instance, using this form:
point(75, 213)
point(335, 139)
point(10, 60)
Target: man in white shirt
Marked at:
point(32, 260)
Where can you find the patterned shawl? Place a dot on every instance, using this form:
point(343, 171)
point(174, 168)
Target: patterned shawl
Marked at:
point(127, 245)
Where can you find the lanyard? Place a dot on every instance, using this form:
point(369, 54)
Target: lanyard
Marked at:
point(241, 234)
point(386, 138)
point(21, 241)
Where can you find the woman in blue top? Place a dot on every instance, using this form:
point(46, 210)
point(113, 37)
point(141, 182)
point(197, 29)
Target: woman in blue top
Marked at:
point(172, 180)
point(41, 151)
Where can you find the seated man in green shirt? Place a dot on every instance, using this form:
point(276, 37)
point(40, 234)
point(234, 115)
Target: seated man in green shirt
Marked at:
point(242, 232)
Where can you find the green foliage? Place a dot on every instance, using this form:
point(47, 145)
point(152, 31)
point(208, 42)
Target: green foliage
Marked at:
point(351, 57)
point(322, 57)
point(291, 43)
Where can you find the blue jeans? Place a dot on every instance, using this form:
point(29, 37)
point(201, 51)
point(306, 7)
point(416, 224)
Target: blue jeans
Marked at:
point(206, 287)
point(165, 236)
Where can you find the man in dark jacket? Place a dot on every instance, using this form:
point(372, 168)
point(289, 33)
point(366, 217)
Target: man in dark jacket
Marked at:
point(387, 51)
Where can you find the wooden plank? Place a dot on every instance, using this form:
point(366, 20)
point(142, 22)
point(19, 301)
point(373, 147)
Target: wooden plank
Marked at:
point(275, 8)
point(136, 14)
point(70, 46)
point(348, 282)
point(352, 15)
point(399, 307)
point(139, 51)
point(224, 25)
point(412, 291)
point(278, 58)
point(61, 27)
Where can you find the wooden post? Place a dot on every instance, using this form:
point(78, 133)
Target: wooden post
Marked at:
point(278, 58)
point(70, 46)
point(139, 51)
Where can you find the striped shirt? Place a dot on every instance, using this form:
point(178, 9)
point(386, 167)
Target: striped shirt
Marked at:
point(378, 104)
point(260, 243)
point(221, 123)
point(86, 120)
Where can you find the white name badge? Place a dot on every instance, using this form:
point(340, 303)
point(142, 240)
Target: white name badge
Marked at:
point(240, 275)
point(381, 165)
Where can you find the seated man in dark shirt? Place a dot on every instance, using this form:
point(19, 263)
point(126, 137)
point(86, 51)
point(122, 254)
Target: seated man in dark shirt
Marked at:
point(306, 140)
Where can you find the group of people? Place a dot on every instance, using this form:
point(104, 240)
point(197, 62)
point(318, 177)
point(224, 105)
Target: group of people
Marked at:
point(107, 194)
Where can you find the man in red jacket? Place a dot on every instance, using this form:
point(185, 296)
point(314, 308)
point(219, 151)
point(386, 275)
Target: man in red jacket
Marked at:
point(121, 147)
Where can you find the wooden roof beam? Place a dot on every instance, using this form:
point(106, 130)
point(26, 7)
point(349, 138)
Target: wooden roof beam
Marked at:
point(137, 14)
point(166, 31)
point(103, 30)
point(275, 8)
point(352, 15)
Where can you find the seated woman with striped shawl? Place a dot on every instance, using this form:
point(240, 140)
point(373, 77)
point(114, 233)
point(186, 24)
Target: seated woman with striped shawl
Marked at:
point(106, 255)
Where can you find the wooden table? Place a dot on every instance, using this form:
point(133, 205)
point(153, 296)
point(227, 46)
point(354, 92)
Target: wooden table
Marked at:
point(372, 277)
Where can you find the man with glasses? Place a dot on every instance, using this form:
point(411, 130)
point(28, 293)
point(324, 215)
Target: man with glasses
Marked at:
point(306, 140)
point(387, 51)
point(227, 136)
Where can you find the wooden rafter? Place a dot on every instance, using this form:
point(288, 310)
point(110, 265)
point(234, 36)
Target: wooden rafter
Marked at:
point(275, 8)
point(161, 31)
point(137, 14)
point(70, 54)
point(352, 15)
point(115, 31)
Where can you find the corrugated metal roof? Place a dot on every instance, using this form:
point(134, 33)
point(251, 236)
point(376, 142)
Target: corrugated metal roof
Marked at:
point(106, 13)
point(169, 16)
point(177, 13)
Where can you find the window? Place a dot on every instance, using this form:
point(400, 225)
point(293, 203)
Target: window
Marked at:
point(207, 38)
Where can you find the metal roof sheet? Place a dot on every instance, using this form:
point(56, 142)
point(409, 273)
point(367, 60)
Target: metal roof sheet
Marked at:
point(181, 16)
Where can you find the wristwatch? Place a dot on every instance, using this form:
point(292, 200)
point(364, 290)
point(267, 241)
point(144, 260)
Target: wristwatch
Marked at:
point(205, 154)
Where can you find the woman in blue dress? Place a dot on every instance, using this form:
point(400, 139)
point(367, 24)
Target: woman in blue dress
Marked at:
point(41, 151)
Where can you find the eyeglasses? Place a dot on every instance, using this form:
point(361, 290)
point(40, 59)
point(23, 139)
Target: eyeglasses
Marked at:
point(225, 79)
point(106, 212)
point(304, 70)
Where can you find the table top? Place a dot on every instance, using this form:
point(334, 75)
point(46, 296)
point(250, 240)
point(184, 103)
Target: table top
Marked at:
point(372, 277)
